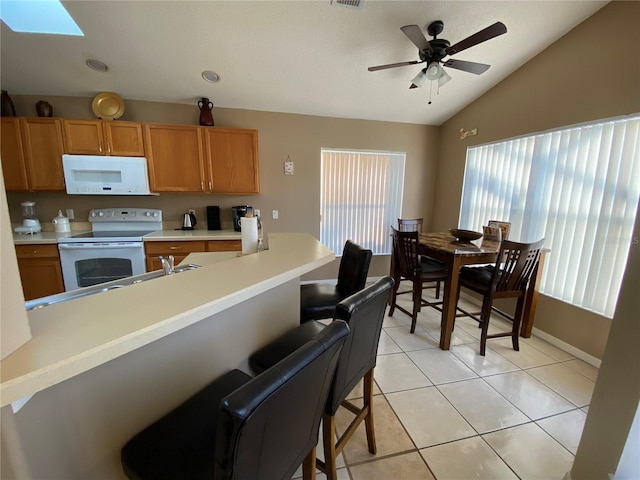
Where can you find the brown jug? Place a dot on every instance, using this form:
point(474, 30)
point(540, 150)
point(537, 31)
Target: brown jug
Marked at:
point(44, 109)
point(7, 109)
point(206, 115)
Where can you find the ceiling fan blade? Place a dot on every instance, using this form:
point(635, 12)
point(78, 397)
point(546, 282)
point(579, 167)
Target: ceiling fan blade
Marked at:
point(392, 65)
point(414, 34)
point(471, 67)
point(488, 33)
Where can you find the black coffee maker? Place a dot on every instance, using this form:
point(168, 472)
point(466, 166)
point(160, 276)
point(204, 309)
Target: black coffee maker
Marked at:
point(239, 212)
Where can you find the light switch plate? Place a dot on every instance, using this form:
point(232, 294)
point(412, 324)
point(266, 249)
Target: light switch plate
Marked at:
point(288, 167)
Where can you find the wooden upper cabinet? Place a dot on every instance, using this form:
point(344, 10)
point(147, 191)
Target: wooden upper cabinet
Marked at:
point(43, 148)
point(12, 155)
point(232, 160)
point(101, 137)
point(175, 157)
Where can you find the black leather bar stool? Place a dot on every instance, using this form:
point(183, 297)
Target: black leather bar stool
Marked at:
point(318, 300)
point(364, 312)
point(239, 427)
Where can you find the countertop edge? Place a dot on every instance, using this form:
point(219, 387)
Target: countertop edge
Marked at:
point(39, 378)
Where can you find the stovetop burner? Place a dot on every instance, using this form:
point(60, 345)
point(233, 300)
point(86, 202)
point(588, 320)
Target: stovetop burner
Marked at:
point(118, 225)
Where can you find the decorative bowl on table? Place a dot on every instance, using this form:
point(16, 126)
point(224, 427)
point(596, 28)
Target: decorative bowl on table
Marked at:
point(464, 235)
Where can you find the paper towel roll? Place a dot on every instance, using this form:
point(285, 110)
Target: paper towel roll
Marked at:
point(249, 228)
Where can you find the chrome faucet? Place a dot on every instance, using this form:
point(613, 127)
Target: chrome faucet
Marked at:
point(167, 264)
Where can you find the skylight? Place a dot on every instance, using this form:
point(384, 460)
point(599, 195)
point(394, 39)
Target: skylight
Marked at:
point(38, 16)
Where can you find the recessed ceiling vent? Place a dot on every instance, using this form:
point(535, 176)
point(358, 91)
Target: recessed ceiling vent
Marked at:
point(348, 3)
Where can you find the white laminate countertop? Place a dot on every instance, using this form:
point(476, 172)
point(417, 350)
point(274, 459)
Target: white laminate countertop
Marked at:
point(73, 337)
point(177, 235)
point(159, 236)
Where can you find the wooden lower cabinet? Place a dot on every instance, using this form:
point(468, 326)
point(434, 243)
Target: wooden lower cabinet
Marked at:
point(180, 249)
point(40, 270)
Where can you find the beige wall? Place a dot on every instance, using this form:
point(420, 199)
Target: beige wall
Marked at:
point(591, 73)
point(297, 197)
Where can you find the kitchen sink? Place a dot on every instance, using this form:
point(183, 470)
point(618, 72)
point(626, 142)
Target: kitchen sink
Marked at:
point(102, 287)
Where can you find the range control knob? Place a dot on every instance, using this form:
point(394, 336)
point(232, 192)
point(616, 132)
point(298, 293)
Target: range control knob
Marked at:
point(93, 214)
point(101, 213)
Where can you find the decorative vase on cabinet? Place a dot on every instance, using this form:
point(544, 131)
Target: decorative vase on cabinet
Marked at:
point(206, 114)
point(44, 109)
point(7, 109)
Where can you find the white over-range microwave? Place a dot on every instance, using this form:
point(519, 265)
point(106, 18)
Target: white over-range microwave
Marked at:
point(105, 175)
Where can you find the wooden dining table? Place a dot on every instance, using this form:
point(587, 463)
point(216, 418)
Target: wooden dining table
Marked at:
point(456, 254)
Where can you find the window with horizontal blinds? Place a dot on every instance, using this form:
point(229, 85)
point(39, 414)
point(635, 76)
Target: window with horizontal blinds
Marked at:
point(360, 198)
point(578, 187)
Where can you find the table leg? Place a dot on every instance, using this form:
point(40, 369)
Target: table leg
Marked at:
point(531, 299)
point(449, 302)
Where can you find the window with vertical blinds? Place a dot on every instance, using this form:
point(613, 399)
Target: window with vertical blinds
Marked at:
point(578, 187)
point(360, 197)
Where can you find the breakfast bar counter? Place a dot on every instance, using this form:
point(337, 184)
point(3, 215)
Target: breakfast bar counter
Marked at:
point(102, 367)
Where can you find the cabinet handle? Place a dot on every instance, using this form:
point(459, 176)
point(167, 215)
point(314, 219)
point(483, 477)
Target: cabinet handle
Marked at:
point(108, 148)
point(209, 184)
point(175, 248)
point(100, 147)
point(35, 252)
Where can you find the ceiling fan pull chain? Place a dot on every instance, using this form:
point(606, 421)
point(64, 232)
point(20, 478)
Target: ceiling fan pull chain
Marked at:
point(430, 89)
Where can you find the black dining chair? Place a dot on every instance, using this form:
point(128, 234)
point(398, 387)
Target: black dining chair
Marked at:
point(508, 278)
point(408, 266)
point(364, 312)
point(318, 300)
point(244, 428)
point(415, 225)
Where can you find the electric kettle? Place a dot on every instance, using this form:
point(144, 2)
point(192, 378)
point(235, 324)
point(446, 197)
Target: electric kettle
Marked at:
point(188, 221)
point(61, 223)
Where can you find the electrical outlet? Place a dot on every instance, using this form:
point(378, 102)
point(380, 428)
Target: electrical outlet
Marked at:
point(192, 211)
point(256, 212)
point(70, 214)
point(275, 214)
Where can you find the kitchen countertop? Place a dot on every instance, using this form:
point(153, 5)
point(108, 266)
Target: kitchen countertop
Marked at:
point(159, 236)
point(73, 337)
point(173, 235)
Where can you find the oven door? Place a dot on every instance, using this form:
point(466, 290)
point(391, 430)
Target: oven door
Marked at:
point(86, 264)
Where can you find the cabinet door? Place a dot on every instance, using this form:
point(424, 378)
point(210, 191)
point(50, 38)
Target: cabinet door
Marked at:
point(40, 270)
point(84, 137)
point(232, 159)
point(12, 155)
point(175, 157)
point(43, 148)
point(124, 138)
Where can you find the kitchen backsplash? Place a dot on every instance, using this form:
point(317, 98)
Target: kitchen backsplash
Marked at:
point(173, 206)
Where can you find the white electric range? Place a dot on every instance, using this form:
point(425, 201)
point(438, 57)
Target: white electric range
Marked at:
point(112, 250)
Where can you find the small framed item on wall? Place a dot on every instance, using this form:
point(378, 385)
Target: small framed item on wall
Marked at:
point(503, 226)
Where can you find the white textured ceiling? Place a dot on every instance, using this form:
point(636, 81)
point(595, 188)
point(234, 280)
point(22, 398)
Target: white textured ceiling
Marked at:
point(307, 57)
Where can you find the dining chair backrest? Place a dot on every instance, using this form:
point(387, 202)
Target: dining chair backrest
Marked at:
point(410, 224)
point(405, 250)
point(515, 264)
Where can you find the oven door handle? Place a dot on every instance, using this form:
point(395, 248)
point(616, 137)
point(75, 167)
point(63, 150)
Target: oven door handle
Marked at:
point(94, 246)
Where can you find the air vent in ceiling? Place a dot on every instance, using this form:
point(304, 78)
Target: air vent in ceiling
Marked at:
point(347, 3)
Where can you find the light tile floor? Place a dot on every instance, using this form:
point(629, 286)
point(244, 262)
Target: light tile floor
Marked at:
point(456, 415)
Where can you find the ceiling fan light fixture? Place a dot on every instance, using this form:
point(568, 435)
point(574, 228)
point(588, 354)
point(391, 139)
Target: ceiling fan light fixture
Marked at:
point(444, 78)
point(433, 71)
point(419, 79)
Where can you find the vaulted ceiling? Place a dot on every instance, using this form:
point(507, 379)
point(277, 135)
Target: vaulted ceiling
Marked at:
point(306, 57)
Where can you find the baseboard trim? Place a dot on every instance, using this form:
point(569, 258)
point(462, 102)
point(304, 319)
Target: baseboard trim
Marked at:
point(556, 342)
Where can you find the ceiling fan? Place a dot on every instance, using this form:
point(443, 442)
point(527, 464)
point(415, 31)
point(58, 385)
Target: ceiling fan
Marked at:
point(432, 52)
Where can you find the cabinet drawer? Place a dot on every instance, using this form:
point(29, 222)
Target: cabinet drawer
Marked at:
point(169, 248)
point(37, 251)
point(224, 246)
